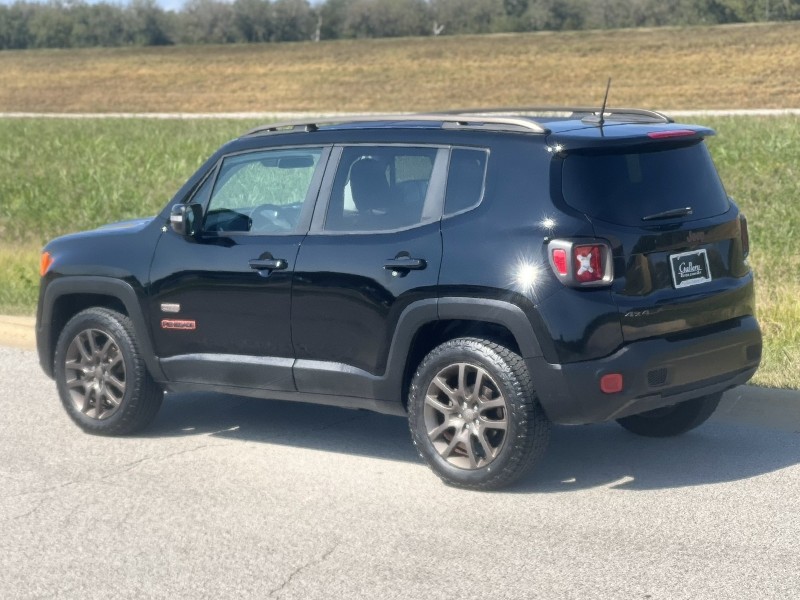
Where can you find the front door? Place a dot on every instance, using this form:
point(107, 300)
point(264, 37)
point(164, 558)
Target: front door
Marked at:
point(220, 301)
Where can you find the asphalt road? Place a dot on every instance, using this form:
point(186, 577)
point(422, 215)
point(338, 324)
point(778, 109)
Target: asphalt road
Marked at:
point(233, 498)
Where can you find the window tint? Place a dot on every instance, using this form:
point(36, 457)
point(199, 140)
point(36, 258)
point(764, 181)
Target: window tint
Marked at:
point(623, 188)
point(465, 179)
point(261, 192)
point(384, 188)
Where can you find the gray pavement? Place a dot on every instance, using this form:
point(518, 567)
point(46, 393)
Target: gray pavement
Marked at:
point(231, 498)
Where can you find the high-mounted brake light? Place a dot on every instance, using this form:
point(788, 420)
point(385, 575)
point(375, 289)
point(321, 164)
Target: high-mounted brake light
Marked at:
point(670, 133)
point(580, 263)
point(45, 262)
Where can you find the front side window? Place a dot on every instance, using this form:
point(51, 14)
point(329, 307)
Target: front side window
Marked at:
point(384, 188)
point(262, 192)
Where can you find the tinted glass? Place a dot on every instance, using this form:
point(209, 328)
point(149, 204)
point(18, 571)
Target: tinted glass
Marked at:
point(622, 188)
point(465, 179)
point(381, 189)
point(261, 192)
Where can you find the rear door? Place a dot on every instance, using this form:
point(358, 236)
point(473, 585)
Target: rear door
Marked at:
point(679, 261)
point(374, 248)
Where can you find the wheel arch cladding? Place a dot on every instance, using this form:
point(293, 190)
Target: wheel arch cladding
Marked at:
point(67, 296)
point(496, 320)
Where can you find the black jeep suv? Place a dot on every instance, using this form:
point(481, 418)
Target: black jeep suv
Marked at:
point(485, 274)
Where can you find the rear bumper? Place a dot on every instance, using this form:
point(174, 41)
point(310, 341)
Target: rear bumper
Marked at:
point(657, 372)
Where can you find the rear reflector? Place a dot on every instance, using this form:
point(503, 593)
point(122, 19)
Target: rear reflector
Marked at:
point(611, 383)
point(672, 133)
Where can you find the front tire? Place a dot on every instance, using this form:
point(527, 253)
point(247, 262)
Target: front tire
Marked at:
point(474, 416)
point(672, 420)
point(101, 377)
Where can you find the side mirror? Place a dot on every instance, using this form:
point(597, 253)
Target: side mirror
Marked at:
point(185, 219)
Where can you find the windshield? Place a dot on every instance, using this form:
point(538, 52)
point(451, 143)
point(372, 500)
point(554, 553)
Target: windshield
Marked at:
point(623, 188)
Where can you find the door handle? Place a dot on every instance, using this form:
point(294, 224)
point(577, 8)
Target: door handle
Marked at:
point(268, 264)
point(405, 263)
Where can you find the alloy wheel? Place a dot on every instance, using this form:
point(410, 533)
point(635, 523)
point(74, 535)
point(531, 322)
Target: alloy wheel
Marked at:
point(466, 417)
point(95, 374)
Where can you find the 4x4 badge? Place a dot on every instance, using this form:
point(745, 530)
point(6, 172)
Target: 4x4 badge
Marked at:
point(696, 236)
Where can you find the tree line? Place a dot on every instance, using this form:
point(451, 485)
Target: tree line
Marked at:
point(75, 23)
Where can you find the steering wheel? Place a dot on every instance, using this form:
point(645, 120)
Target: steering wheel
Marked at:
point(268, 218)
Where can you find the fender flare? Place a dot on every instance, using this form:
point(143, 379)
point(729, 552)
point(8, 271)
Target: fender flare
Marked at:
point(101, 286)
point(500, 312)
point(422, 312)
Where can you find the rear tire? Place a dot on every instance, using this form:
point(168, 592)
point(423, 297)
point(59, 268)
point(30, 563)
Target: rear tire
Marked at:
point(101, 376)
point(672, 420)
point(474, 416)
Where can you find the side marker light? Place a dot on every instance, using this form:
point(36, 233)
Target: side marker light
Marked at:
point(45, 263)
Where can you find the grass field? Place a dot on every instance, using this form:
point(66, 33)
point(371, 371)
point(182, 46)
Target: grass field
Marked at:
point(741, 66)
point(60, 176)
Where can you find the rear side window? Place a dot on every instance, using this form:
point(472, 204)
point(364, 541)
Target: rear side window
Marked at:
point(623, 188)
point(385, 188)
point(465, 179)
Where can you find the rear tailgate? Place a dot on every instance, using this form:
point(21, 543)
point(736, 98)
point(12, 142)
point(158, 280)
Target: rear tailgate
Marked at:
point(679, 261)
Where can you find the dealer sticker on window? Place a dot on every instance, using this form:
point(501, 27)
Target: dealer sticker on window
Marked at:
point(690, 268)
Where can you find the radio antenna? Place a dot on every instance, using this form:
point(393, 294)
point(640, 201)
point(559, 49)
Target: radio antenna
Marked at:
point(602, 119)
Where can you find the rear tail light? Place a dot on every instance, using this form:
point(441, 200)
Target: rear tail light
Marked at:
point(580, 263)
point(588, 263)
point(560, 261)
point(745, 235)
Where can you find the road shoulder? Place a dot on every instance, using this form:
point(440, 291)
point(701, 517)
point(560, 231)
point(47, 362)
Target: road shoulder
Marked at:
point(18, 332)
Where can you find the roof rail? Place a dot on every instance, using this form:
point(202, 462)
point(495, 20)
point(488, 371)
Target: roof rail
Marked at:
point(637, 114)
point(459, 119)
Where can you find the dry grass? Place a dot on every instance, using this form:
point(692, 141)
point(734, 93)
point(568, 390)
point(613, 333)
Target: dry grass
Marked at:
point(742, 66)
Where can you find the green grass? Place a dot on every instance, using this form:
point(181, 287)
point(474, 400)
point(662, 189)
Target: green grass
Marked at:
point(60, 176)
point(19, 279)
point(759, 162)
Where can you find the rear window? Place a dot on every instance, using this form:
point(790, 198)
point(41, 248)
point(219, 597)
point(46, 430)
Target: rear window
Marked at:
point(623, 188)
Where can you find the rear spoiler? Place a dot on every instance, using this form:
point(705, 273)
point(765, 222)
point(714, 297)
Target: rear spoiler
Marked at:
point(609, 137)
